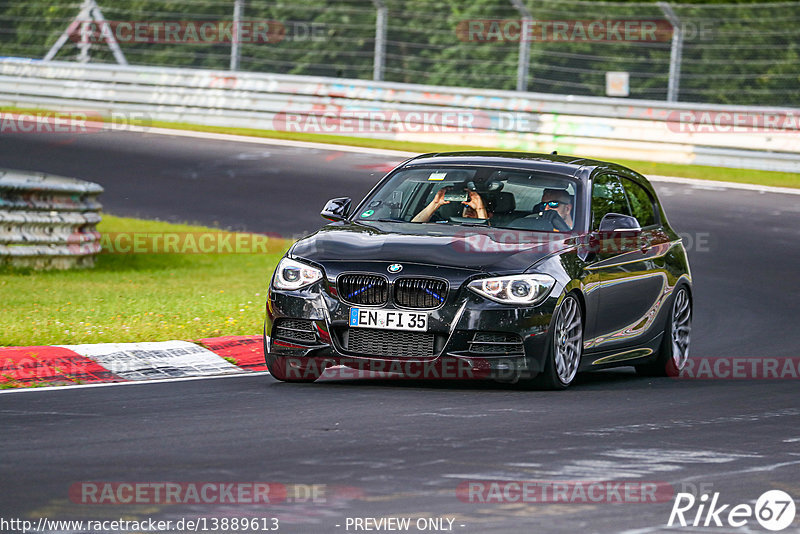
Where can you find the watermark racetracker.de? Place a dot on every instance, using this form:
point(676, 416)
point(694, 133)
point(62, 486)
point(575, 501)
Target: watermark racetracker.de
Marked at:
point(741, 368)
point(212, 242)
point(597, 30)
point(148, 493)
point(352, 122)
point(115, 493)
point(510, 240)
point(733, 121)
point(564, 491)
point(75, 122)
point(189, 32)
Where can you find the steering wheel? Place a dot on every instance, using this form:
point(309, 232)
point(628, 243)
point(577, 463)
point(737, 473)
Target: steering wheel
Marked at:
point(554, 218)
point(438, 217)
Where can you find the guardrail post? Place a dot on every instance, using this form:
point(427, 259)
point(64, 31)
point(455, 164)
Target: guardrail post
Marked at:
point(83, 14)
point(524, 58)
point(236, 50)
point(90, 11)
point(380, 40)
point(675, 53)
point(108, 33)
point(84, 46)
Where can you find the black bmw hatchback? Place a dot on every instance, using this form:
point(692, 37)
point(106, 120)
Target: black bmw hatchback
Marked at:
point(511, 266)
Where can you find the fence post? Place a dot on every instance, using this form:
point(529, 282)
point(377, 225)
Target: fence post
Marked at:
point(524, 58)
point(108, 33)
point(85, 45)
point(236, 51)
point(675, 52)
point(89, 11)
point(380, 40)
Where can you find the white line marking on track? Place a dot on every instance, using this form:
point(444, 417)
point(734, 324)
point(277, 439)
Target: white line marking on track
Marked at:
point(68, 414)
point(756, 469)
point(704, 184)
point(132, 383)
point(271, 141)
point(713, 184)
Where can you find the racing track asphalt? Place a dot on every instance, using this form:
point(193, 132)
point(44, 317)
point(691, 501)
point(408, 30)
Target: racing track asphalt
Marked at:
point(405, 446)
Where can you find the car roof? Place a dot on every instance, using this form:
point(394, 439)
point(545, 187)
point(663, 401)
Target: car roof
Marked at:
point(569, 165)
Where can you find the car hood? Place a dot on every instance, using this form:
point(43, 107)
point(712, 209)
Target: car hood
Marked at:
point(482, 249)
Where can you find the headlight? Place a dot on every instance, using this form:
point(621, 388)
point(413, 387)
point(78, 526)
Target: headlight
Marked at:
point(292, 274)
point(518, 289)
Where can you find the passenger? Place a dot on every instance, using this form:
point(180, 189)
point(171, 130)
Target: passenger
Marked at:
point(474, 207)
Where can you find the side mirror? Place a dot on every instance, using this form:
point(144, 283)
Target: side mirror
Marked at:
point(616, 222)
point(336, 209)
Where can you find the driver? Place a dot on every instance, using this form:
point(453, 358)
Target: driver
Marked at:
point(560, 201)
point(474, 207)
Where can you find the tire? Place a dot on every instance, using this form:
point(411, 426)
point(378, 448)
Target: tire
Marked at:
point(674, 350)
point(293, 369)
point(564, 347)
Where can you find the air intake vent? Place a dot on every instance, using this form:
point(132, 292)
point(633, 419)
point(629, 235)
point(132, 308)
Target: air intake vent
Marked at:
point(295, 330)
point(490, 343)
point(367, 289)
point(420, 292)
point(389, 343)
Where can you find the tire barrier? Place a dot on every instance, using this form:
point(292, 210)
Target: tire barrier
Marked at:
point(48, 222)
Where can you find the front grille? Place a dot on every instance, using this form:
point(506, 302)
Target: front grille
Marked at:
point(420, 292)
point(389, 343)
point(489, 343)
point(299, 330)
point(367, 289)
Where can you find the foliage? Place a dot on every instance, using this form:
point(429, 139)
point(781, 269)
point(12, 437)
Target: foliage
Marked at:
point(734, 52)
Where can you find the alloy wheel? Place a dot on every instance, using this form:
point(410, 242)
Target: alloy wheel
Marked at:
point(681, 328)
point(568, 340)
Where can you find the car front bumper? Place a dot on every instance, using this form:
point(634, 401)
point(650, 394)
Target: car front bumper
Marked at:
point(453, 325)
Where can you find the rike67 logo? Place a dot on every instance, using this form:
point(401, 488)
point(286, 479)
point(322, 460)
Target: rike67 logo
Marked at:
point(774, 510)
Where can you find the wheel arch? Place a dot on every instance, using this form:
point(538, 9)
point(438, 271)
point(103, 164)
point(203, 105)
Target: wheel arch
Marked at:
point(574, 287)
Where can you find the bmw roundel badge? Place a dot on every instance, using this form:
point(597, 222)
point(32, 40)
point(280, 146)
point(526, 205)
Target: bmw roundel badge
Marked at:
point(395, 268)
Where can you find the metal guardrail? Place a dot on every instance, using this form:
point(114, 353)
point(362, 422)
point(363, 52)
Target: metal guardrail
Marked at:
point(589, 126)
point(48, 222)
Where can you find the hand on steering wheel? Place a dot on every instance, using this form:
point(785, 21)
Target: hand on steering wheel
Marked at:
point(554, 218)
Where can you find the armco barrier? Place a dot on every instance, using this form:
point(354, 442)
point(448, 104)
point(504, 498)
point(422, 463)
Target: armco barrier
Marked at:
point(48, 221)
point(610, 128)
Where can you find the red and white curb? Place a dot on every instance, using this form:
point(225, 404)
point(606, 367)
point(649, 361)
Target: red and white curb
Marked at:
point(126, 362)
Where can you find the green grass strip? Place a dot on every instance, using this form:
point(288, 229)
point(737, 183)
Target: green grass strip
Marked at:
point(139, 297)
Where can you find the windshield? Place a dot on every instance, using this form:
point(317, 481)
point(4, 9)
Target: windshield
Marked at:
point(483, 196)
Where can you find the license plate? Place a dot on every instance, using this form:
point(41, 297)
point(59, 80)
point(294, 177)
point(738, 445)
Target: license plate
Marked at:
point(388, 319)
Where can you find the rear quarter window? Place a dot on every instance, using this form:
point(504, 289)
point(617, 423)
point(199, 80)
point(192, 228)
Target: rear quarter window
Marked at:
point(641, 203)
point(608, 196)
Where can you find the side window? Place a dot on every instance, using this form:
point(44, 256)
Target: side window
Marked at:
point(608, 196)
point(641, 203)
